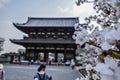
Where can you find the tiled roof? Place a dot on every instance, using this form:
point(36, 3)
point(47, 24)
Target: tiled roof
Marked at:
point(43, 41)
point(49, 22)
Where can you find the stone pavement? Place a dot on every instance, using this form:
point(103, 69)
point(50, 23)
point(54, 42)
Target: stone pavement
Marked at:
point(26, 72)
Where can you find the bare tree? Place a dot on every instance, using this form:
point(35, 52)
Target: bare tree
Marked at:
point(1, 43)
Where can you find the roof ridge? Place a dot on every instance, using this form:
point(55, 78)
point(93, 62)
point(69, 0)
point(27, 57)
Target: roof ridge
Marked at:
point(53, 17)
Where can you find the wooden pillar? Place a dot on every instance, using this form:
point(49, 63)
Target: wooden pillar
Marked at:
point(45, 54)
point(12, 58)
point(56, 56)
point(27, 55)
point(65, 55)
point(19, 58)
point(74, 54)
point(35, 54)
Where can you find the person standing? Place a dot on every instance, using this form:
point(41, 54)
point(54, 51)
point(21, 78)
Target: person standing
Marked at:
point(41, 75)
point(2, 72)
point(72, 64)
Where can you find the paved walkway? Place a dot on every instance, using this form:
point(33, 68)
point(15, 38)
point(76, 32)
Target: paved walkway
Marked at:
point(26, 72)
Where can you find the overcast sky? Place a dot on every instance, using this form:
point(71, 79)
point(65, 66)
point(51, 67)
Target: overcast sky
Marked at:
point(19, 10)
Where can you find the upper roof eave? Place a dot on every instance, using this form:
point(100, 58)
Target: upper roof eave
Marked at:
point(45, 18)
point(16, 25)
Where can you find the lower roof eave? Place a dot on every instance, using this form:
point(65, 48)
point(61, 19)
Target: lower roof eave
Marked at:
point(23, 42)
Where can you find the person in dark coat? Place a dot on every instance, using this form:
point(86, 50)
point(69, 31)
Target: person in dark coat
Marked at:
point(41, 75)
